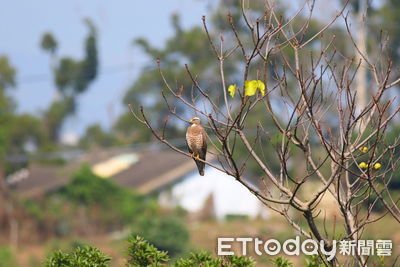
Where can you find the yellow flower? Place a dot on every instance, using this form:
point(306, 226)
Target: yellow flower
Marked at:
point(251, 87)
point(232, 89)
point(364, 149)
point(261, 87)
point(377, 166)
point(363, 165)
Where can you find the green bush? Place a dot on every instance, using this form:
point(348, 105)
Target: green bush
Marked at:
point(81, 256)
point(88, 189)
point(236, 217)
point(314, 261)
point(167, 233)
point(141, 253)
point(7, 258)
point(205, 259)
point(281, 262)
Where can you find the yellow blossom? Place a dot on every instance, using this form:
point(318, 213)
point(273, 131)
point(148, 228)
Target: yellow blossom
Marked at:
point(261, 87)
point(232, 89)
point(377, 166)
point(363, 165)
point(251, 87)
point(364, 149)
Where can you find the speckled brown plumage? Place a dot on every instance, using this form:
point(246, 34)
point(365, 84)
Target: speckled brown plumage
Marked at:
point(197, 143)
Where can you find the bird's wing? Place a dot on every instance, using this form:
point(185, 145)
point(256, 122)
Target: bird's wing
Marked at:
point(204, 147)
point(187, 141)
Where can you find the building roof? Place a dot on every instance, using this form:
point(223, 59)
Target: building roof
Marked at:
point(151, 171)
point(155, 169)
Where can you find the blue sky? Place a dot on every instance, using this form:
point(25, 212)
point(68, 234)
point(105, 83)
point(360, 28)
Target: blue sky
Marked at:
point(22, 24)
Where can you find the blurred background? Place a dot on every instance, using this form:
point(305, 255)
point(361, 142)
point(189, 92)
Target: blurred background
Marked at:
point(78, 169)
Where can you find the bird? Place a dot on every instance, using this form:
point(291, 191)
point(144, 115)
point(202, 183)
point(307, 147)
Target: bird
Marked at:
point(197, 143)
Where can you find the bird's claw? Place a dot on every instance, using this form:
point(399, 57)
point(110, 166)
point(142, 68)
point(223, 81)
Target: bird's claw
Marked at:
point(196, 157)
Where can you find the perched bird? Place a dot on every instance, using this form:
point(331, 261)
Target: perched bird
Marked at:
point(196, 141)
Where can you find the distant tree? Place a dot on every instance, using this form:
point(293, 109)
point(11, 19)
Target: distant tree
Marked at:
point(167, 233)
point(129, 131)
point(7, 73)
point(72, 77)
point(184, 47)
point(55, 116)
point(95, 136)
point(7, 106)
point(49, 43)
point(9, 137)
point(91, 192)
point(375, 33)
point(26, 129)
point(16, 129)
point(384, 26)
point(7, 80)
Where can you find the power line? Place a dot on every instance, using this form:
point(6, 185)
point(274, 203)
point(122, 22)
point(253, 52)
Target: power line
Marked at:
point(71, 154)
point(36, 78)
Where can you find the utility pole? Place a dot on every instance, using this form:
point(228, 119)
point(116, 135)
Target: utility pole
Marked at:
point(361, 78)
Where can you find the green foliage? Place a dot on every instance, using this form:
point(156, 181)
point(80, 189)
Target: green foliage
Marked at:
point(387, 15)
point(55, 116)
point(96, 136)
point(67, 72)
point(314, 261)
point(281, 262)
point(7, 79)
point(129, 130)
point(165, 232)
point(7, 258)
point(7, 73)
point(82, 256)
point(195, 259)
point(25, 128)
point(90, 63)
point(205, 259)
point(48, 43)
point(88, 189)
point(74, 76)
point(184, 47)
point(239, 261)
point(5, 122)
point(236, 217)
point(34, 210)
point(141, 253)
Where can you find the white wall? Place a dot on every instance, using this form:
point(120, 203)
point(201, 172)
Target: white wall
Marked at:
point(230, 197)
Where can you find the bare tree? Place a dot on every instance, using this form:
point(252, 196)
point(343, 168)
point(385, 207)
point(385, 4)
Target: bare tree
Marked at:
point(310, 101)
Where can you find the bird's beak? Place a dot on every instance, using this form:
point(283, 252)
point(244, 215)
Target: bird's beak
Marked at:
point(191, 121)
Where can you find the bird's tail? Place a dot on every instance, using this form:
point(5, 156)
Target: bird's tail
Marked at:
point(201, 165)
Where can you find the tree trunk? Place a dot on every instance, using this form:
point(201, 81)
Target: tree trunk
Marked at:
point(8, 210)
